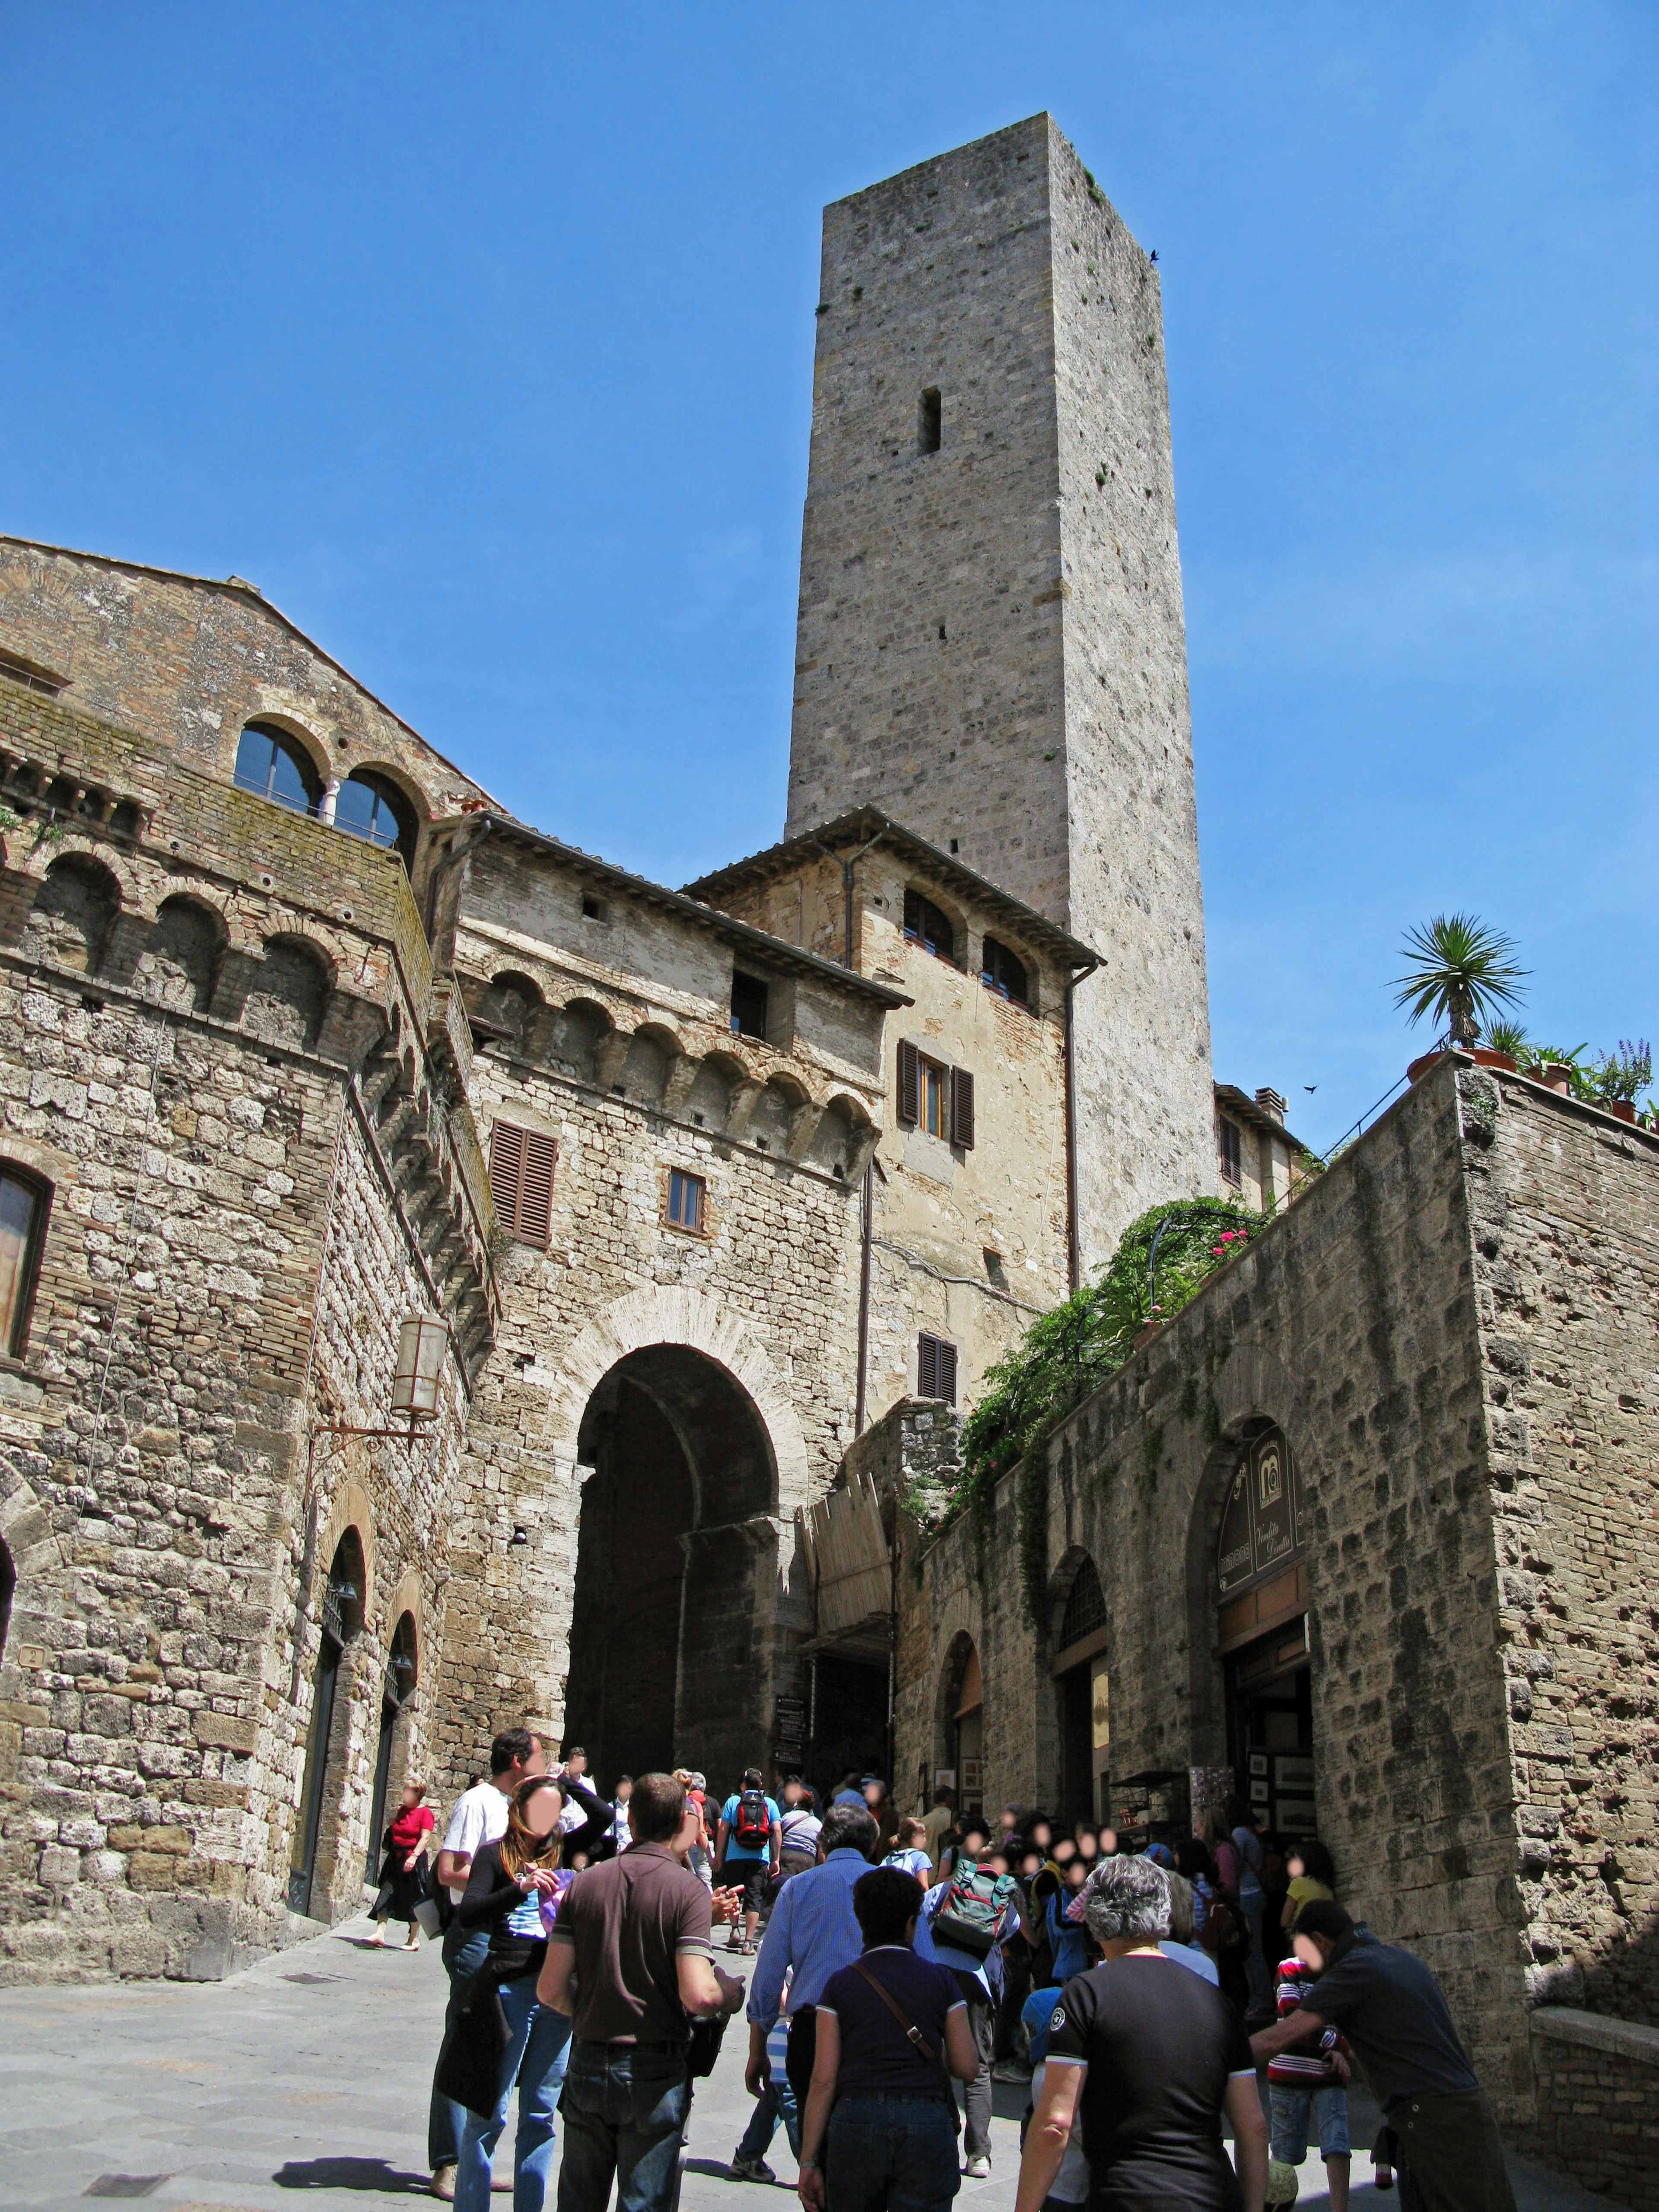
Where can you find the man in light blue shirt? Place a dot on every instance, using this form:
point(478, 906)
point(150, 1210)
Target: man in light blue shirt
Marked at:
point(811, 1935)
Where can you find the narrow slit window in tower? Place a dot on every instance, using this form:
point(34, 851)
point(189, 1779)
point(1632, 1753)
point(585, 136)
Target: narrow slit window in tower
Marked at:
point(929, 421)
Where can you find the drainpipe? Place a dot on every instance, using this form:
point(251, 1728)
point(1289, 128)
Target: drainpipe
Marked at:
point(847, 868)
point(1073, 1256)
point(864, 1294)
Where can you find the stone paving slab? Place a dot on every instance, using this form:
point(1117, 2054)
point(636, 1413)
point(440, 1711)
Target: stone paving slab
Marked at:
point(304, 2081)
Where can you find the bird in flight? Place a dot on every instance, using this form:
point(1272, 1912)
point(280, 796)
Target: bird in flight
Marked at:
point(1310, 1086)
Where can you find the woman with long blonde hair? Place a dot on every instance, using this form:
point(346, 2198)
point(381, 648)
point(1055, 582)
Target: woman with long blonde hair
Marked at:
point(513, 1889)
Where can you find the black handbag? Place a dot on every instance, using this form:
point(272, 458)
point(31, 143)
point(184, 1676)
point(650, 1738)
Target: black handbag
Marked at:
point(707, 2033)
point(469, 2063)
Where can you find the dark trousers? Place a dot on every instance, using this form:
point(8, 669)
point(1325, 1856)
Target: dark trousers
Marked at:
point(798, 2054)
point(624, 2109)
point(1015, 1988)
point(464, 1953)
point(982, 2018)
point(891, 2154)
point(1450, 2158)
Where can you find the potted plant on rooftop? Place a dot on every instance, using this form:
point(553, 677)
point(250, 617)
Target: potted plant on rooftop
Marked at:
point(1619, 1078)
point(1463, 973)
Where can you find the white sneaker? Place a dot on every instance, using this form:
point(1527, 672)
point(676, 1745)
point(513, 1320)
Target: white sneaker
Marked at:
point(979, 2169)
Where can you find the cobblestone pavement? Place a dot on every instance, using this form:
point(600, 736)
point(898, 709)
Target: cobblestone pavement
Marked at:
point(306, 2079)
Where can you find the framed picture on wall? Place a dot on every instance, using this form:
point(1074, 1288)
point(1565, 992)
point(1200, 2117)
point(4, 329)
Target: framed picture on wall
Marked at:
point(1295, 1816)
point(1260, 1793)
point(944, 1777)
point(1259, 1762)
point(1294, 1770)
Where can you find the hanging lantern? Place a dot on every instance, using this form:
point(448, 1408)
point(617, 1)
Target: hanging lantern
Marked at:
point(422, 1340)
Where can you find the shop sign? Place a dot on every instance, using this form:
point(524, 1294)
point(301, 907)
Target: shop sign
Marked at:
point(1261, 1523)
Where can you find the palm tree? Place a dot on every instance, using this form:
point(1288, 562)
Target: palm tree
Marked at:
point(1460, 970)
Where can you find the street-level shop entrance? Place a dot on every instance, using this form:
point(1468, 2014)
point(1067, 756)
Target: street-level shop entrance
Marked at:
point(1262, 1596)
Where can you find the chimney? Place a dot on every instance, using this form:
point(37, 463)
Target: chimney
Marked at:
point(1271, 1105)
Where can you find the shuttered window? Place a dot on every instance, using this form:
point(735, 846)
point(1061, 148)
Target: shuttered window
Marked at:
point(936, 1369)
point(934, 1097)
point(1231, 1164)
point(521, 1182)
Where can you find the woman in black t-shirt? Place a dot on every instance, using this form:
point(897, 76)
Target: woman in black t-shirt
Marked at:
point(893, 2138)
point(1152, 2056)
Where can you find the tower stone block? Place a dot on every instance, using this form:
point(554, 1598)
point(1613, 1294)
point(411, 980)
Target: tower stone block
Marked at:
point(992, 643)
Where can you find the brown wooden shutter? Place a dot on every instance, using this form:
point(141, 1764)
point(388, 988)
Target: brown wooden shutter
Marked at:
point(909, 1083)
point(936, 1369)
point(961, 1109)
point(521, 1181)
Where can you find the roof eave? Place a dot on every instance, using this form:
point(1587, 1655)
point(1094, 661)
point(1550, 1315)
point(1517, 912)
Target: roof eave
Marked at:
point(776, 950)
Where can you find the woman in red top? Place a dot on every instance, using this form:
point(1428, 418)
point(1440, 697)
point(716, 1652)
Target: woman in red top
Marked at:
point(403, 1875)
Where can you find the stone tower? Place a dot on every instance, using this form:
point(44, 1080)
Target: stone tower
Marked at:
point(992, 646)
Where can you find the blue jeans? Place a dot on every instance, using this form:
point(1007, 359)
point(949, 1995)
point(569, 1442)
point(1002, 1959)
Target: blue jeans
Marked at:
point(775, 2104)
point(1291, 2110)
point(537, 2040)
point(463, 1954)
point(625, 2109)
point(890, 2154)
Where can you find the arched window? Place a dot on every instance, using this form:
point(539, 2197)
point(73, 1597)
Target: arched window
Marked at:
point(368, 807)
point(924, 922)
point(25, 1202)
point(1003, 971)
point(1085, 1608)
point(275, 766)
point(74, 912)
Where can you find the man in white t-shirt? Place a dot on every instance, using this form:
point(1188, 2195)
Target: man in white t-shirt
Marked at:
point(479, 1818)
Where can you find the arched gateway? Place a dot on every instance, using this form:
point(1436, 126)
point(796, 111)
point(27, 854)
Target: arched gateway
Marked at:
point(690, 1462)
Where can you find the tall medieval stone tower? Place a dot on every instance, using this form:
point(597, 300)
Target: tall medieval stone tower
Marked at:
point(992, 645)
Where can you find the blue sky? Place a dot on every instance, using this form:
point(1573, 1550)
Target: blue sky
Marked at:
point(481, 339)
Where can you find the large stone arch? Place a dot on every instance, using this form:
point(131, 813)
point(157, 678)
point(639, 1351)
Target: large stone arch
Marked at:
point(701, 1323)
point(689, 1462)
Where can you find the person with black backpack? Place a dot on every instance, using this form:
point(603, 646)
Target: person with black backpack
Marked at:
point(964, 1921)
point(749, 1842)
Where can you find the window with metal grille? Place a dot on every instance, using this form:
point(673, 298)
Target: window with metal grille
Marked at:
point(687, 1194)
point(923, 924)
point(748, 1006)
point(521, 1163)
point(1004, 972)
point(936, 1369)
point(1086, 1606)
point(1232, 1166)
point(32, 674)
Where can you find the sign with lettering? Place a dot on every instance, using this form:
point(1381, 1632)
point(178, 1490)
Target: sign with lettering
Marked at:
point(1261, 1521)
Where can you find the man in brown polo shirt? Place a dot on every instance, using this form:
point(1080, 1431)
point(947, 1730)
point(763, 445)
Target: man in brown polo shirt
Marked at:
point(629, 1958)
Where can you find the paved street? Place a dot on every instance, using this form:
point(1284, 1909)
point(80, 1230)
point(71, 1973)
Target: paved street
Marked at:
point(310, 2073)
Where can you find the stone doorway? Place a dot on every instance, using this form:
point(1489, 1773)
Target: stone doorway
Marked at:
point(677, 1571)
point(328, 1741)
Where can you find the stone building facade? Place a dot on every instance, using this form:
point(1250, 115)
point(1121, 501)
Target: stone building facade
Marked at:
point(1443, 1352)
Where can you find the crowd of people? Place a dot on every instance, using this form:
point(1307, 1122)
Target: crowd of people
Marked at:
point(1140, 1995)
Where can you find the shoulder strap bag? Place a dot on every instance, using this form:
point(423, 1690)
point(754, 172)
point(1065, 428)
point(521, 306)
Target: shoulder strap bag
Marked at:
point(918, 2041)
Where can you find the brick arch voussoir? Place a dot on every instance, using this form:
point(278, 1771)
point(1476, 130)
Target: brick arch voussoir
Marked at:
point(695, 1319)
point(25, 858)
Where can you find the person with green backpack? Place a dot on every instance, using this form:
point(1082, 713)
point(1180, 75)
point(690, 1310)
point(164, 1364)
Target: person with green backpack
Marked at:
point(964, 1921)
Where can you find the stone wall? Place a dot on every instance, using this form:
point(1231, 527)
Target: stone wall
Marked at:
point(1454, 1327)
point(228, 1090)
point(1597, 2080)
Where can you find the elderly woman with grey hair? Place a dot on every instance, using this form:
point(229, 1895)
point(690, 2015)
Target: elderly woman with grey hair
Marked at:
point(1152, 2057)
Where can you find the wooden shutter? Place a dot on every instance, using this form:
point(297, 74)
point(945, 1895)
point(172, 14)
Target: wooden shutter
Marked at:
point(909, 1083)
point(521, 1181)
point(936, 1369)
point(961, 1109)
